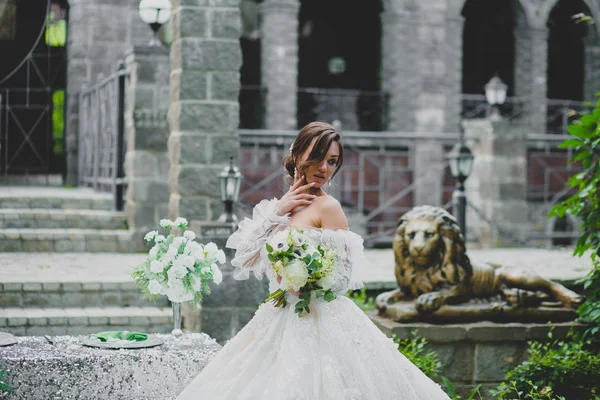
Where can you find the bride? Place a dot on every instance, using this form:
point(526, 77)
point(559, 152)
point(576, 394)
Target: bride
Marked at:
point(332, 353)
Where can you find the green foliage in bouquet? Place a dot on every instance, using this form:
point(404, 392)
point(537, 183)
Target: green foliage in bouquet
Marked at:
point(585, 205)
point(177, 266)
point(4, 386)
point(415, 349)
point(302, 268)
point(555, 370)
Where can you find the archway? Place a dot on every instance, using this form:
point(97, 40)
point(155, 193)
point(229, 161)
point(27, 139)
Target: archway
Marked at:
point(488, 43)
point(32, 86)
point(566, 49)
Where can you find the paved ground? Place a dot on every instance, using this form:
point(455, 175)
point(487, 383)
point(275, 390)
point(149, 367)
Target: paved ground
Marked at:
point(558, 265)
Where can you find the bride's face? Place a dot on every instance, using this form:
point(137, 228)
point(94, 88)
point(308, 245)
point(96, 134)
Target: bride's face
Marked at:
point(321, 172)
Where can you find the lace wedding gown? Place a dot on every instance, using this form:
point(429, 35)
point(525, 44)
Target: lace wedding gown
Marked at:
point(333, 353)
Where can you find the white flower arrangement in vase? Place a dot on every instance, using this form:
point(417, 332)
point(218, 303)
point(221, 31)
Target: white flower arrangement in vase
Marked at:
point(178, 267)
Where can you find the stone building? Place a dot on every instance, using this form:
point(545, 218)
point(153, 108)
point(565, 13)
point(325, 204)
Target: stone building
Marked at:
point(400, 66)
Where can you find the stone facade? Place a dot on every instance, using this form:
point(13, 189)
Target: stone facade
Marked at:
point(498, 183)
point(99, 33)
point(279, 61)
point(146, 160)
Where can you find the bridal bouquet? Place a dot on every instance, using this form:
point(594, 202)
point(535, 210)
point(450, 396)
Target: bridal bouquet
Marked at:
point(177, 266)
point(302, 267)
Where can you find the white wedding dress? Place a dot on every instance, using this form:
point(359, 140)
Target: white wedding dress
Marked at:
point(333, 353)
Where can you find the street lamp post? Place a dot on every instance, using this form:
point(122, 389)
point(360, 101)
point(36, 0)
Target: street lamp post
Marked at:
point(229, 183)
point(155, 13)
point(460, 159)
point(495, 94)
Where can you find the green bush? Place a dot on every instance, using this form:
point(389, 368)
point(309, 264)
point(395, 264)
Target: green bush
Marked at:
point(414, 348)
point(361, 300)
point(558, 369)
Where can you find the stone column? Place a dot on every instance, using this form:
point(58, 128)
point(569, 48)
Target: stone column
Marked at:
point(498, 184)
point(279, 61)
point(99, 33)
point(591, 85)
point(531, 66)
point(400, 72)
point(146, 159)
point(203, 115)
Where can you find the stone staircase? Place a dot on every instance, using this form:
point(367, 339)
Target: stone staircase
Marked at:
point(64, 267)
point(48, 219)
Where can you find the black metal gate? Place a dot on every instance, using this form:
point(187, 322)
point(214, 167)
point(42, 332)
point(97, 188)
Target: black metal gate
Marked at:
point(32, 89)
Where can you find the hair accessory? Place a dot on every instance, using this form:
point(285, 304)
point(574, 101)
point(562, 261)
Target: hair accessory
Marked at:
point(291, 147)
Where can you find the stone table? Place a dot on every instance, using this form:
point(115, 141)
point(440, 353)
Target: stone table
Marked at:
point(60, 368)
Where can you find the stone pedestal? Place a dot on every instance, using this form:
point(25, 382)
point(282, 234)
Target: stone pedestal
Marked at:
point(231, 304)
point(279, 61)
point(477, 352)
point(497, 186)
point(146, 159)
point(61, 368)
point(204, 111)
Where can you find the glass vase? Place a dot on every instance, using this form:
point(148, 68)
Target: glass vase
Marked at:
point(177, 332)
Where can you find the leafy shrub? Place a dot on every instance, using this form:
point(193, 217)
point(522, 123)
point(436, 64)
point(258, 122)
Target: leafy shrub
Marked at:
point(4, 387)
point(558, 369)
point(361, 300)
point(414, 348)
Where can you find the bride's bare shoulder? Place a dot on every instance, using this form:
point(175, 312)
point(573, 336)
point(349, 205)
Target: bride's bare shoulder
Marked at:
point(331, 213)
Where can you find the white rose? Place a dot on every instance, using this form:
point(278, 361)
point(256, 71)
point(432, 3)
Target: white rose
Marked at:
point(160, 239)
point(188, 262)
point(196, 283)
point(189, 235)
point(178, 241)
point(221, 256)
point(326, 282)
point(166, 223)
point(217, 274)
point(294, 275)
point(213, 252)
point(170, 254)
point(178, 294)
point(150, 236)
point(153, 251)
point(156, 267)
point(279, 242)
point(176, 272)
point(180, 222)
point(154, 287)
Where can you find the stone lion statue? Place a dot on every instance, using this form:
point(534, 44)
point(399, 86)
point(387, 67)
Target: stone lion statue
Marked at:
point(433, 270)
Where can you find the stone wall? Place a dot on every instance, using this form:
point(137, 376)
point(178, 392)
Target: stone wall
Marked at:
point(146, 160)
point(476, 353)
point(99, 33)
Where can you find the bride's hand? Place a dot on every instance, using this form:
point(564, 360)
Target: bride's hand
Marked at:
point(295, 197)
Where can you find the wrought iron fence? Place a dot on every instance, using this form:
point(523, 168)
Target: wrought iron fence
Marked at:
point(102, 135)
point(560, 113)
point(476, 106)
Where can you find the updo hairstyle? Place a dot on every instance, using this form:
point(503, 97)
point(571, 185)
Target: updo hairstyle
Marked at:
point(325, 134)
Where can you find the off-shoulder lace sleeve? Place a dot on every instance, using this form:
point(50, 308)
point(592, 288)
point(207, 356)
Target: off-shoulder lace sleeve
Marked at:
point(351, 258)
point(249, 240)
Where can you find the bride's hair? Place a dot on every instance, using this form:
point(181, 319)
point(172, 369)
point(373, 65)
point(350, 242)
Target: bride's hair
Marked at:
point(325, 134)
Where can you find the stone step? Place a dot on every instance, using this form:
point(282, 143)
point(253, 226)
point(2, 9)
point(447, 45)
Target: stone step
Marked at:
point(66, 240)
point(81, 321)
point(15, 218)
point(44, 294)
point(54, 198)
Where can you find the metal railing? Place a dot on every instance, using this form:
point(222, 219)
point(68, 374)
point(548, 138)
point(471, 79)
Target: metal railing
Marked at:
point(102, 135)
point(377, 181)
point(476, 106)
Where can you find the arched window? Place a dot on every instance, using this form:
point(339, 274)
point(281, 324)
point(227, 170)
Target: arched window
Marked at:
point(566, 48)
point(488, 44)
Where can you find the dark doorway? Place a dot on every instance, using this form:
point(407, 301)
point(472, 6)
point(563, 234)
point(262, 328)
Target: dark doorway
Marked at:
point(488, 44)
point(566, 49)
point(32, 86)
